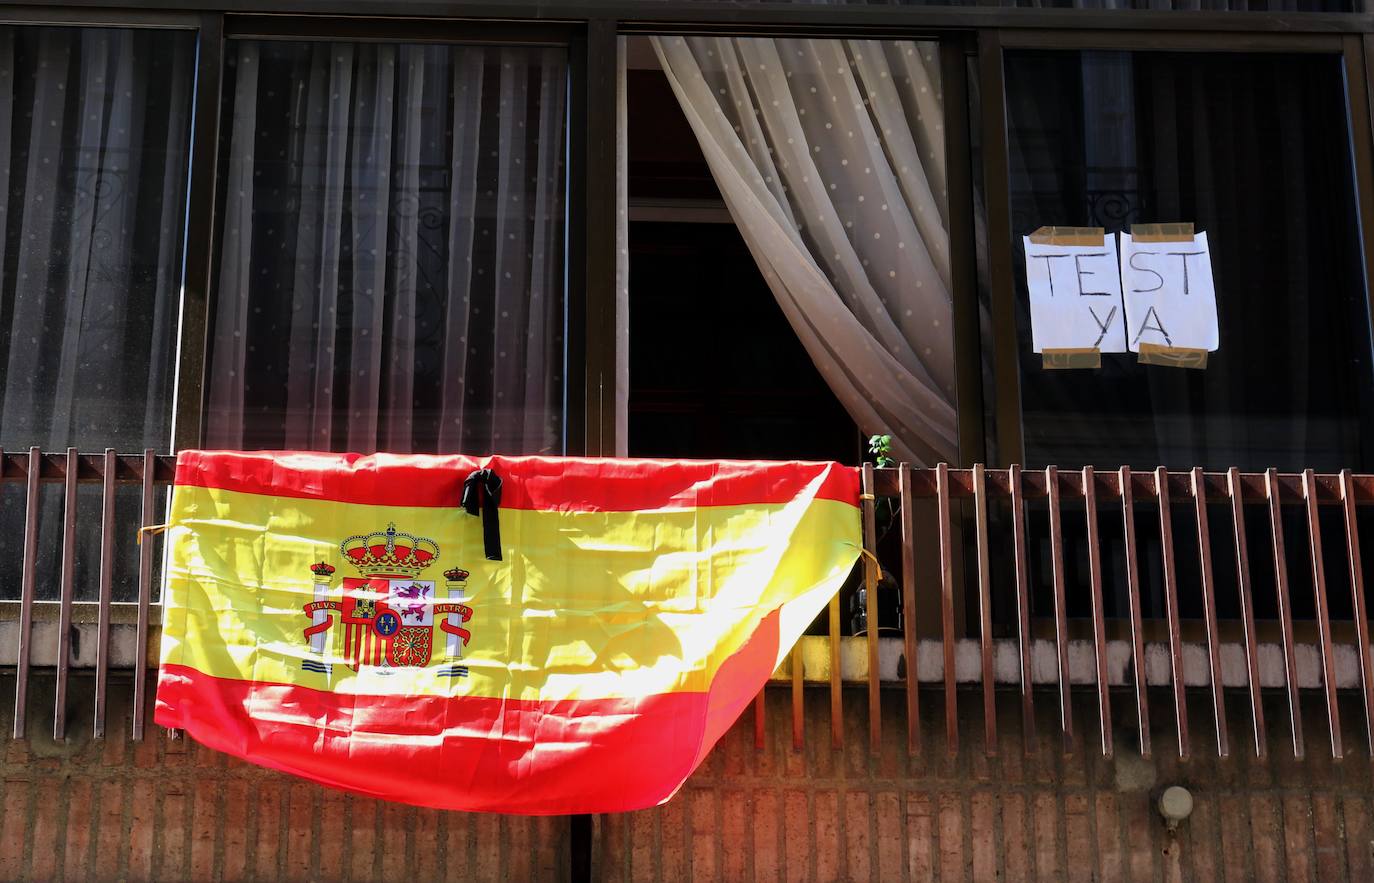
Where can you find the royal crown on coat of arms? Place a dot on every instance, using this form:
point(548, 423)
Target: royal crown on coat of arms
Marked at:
point(389, 553)
point(388, 614)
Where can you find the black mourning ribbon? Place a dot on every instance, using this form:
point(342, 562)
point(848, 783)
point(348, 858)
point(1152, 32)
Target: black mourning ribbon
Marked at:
point(482, 491)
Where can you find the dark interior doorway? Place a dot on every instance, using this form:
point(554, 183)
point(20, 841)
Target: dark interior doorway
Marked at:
point(715, 369)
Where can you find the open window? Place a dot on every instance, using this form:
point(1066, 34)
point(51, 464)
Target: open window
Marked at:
point(799, 234)
point(823, 161)
point(715, 369)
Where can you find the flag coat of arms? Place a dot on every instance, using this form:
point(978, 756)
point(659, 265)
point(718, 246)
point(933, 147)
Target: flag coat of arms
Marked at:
point(345, 619)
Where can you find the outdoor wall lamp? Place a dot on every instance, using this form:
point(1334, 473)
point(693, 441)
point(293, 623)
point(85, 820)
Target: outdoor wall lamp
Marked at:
point(1175, 805)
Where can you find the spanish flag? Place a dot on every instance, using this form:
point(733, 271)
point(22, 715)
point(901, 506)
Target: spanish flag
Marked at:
point(577, 645)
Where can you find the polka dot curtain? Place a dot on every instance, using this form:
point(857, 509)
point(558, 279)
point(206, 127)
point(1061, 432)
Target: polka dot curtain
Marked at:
point(94, 153)
point(94, 134)
point(830, 157)
point(391, 261)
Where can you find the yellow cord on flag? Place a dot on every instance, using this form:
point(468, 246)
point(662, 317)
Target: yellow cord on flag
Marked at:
point(874, 558)
point(150, 530)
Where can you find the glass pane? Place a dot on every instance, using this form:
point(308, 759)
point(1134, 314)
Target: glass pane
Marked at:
point(94, 137)
point(1249, 148)
point(93, 164)
point(391, 266)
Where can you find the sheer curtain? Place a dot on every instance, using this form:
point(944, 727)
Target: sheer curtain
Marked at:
point(391, 270)
point(94, 136)
point(93, 151)
point(830, 157)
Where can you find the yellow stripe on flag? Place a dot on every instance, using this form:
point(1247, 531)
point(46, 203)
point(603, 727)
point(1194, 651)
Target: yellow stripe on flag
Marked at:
point(584, 604)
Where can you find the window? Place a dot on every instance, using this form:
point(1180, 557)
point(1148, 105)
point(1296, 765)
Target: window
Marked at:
point(715, 369)
point(1250, 149)
point(830, 156)
point(93, 165)
point(94, 151)
point(391, 271)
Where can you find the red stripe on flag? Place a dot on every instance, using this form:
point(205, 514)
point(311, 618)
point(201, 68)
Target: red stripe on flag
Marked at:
point(469, 753)
point(473, 753)
point(565, 484)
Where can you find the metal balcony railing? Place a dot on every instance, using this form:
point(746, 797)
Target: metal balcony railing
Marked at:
point(1011, 489)
point(971, 507)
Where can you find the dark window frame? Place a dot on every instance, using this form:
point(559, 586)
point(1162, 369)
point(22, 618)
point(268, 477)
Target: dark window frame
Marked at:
point(206, 216)
point(1006, 429)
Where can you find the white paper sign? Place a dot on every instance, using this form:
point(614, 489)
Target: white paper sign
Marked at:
point(1075, 296)
point(1169, 294)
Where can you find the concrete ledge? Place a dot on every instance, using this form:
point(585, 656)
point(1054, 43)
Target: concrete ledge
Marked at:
point(853, 659)
point(1082, 665)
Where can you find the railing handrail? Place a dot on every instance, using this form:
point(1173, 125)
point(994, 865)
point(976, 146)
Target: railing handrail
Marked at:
point(1143, 484)
point(14, 467)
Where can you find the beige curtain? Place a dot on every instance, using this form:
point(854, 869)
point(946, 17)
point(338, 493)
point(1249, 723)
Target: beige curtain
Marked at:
point(392, 271)
point(830, 157)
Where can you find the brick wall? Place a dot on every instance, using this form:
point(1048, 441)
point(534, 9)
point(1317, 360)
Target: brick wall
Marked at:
point(827, 815)
point(169, 810)
point(161, 809)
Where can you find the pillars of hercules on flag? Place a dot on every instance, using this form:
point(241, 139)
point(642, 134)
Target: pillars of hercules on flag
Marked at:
point(324, 574)
point(457, 589)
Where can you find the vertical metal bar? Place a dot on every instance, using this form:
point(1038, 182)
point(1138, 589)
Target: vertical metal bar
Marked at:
point(26, 593)
point(598, 234)
point(1104, 702)
point(1352, 548)
point(202, 219)
point(875, 709)
point(836, 697)
point(68, 588)
point(980, 519)
point(582, 383)
point(1166, 536)
point(1247, 611)
point(798, 699)
point(1001, 269)
point(760, 710)
point(1142, 700)
point(102, 640)
point(947, 607)
point(1209, 610)
point(1290, 660)
point(1357, 52)
point(1025, 640)
point(968, 346)
point(913, 701)
point(145, 594)
point(1314, 534)
point(1061, 621)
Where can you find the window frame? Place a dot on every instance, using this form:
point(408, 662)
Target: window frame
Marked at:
point(204, 26)
point(206, 220)
point(1005, 430)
